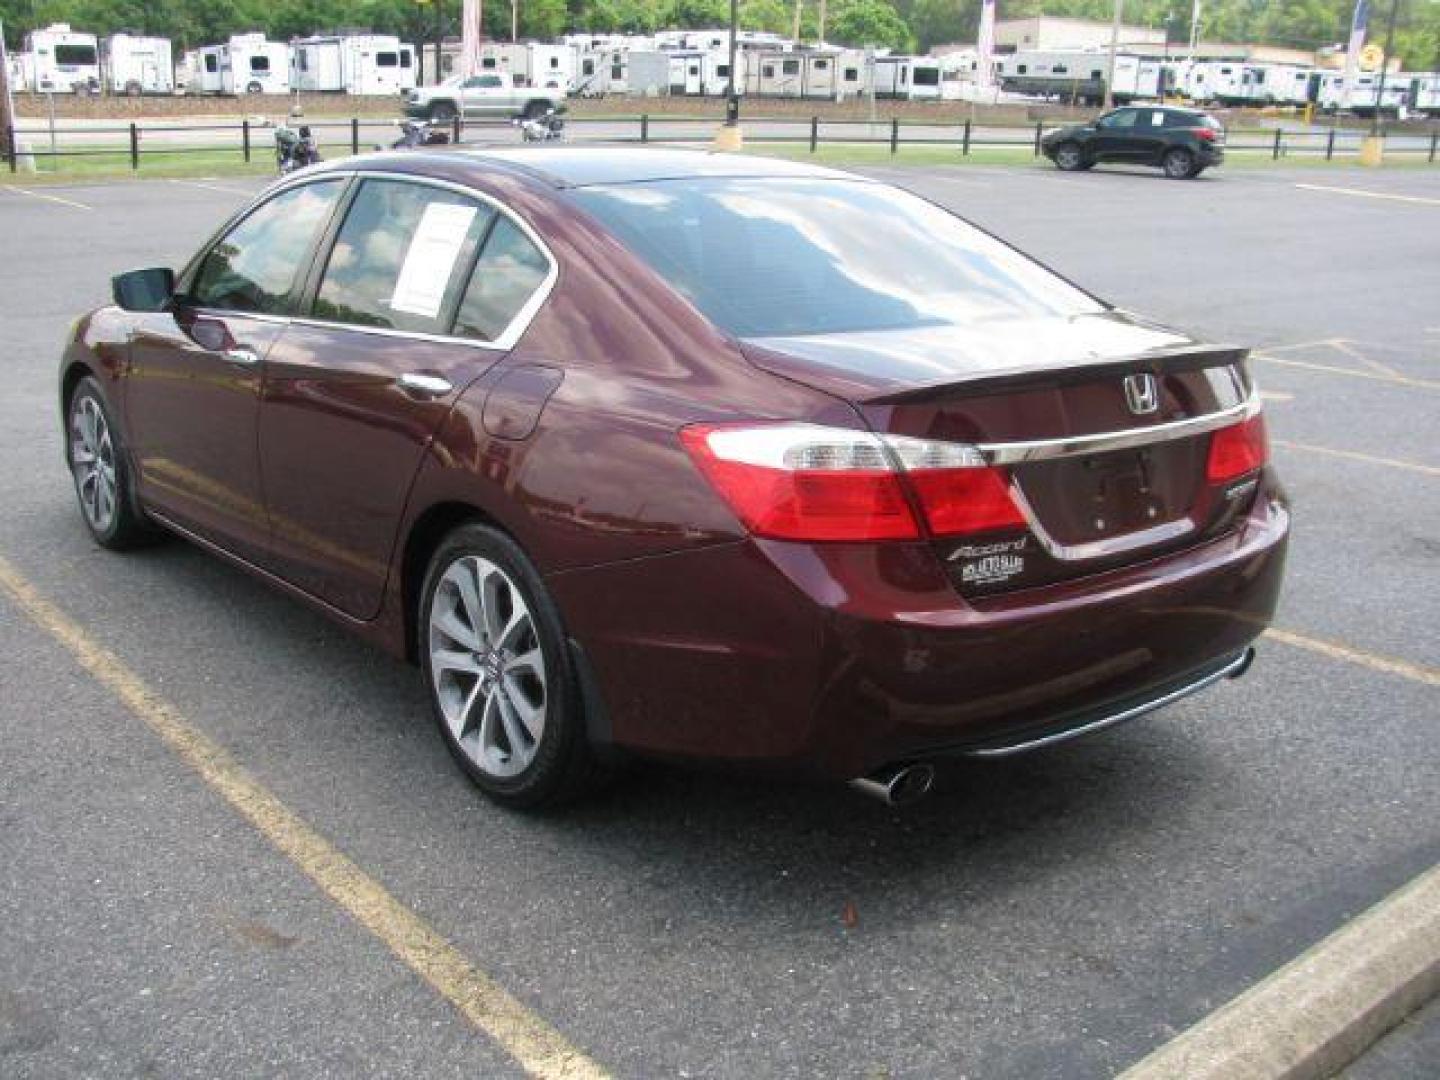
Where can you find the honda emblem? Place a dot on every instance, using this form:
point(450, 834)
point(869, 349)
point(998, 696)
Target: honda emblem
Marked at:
point(1142, 394)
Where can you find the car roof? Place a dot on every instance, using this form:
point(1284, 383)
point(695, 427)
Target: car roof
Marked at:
point(582, 166)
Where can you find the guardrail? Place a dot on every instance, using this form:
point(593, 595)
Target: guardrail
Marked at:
point(132, 143)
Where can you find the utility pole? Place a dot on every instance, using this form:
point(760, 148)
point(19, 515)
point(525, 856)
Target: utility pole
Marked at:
point(729, 136)
point(795, 36)
point(820, 33)
point(7, 104)
point(1110, 70)
point(514, 21)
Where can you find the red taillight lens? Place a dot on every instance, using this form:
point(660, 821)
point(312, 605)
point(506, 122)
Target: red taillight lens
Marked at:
point(1205, 134)
point(1237, 450)
point(806, 482)
point(961, 501)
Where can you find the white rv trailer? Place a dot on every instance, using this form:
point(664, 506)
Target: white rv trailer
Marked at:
point(209, 72)
point(1424, 92)
point(688, 73)
point(817, 75)
point(552, 66)
point(1272, 84)
point(138, 65)
point(375, 64)
point(248, 64)
point(892, 76)
point(1079, 75)
point(602, 71)
point(59, 60)
point(1359, 97)
point(926, 77)
point(1219, 81)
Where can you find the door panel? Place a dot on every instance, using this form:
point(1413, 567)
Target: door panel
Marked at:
point(192, 406)
point(340, 442)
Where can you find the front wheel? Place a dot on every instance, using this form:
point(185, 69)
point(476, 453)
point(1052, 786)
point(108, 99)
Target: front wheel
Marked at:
point(101, 472)
point(1069, 158)
point(1179, 164)
point(502, 682)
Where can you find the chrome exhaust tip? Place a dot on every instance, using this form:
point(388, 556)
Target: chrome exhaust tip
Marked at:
point(897, 785)
point(1246, 659)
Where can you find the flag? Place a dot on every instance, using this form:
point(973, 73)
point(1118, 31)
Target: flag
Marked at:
point(1358, 25)
point(470, 38)
point(985, 45)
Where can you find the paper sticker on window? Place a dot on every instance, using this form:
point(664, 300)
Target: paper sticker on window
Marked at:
point(431, 258)
point(1156, 119)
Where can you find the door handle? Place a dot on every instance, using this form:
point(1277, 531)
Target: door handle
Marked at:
point(242, 355)
point(424, 385)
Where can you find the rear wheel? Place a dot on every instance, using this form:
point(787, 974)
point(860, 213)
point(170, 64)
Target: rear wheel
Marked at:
point(502, 681)
point(443, 110)
point(1179, 164)
point(101, 472)
point(1069, 158)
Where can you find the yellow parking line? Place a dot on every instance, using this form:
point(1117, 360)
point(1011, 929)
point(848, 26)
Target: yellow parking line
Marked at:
point(1352, 455)
point(538, 1048)
point(1360, 193)
point(1397, 380)
point(1403, 668)
point(47, 198)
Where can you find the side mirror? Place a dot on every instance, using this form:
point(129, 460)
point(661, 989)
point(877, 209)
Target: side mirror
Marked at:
point(144, 290)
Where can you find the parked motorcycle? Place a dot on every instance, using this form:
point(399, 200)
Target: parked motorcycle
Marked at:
point(294, 149)
point(543, 128)
point(417, 133)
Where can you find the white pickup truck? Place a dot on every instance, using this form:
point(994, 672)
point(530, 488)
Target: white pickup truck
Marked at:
point(486, 95)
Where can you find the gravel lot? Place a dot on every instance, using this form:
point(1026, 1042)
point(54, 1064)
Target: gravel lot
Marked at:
point(1056, 915)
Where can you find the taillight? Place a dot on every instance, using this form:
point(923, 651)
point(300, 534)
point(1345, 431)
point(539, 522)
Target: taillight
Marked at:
point(808, 482)
point(1237, 450)
point(1205, 134)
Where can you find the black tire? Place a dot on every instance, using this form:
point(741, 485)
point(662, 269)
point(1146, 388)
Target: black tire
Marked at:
point(535, 109)
point(443, 110)
point(1068, 157)
point(1179, 164)
point(126, 526)
point(563, 766)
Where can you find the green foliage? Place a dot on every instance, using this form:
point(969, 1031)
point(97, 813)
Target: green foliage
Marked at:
point(899, 24)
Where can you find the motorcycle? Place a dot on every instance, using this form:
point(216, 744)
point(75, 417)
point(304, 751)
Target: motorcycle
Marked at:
point(543, 128)
point(294, 149)
point(417, 133)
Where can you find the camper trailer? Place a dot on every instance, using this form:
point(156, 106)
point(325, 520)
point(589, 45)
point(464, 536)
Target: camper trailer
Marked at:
point(683, 72)
point(926, 75)
point(1219, 81)
point(551, 67)
point(247, 64)
point(1272, 84)
point(138, 65)
point(58, 60)
point(602, 71)
point(1424, 92)
point(375, 64)
point(1079, 76)
point(1359, 97)
point(892, 76)
point(815, 75)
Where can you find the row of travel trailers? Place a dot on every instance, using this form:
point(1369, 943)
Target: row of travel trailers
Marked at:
point(1080, 75)
point(61, 60)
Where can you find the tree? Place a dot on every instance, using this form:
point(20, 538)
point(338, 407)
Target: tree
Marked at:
point(867, 22)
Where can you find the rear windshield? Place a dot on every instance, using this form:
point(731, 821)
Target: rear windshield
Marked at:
point(774, 257)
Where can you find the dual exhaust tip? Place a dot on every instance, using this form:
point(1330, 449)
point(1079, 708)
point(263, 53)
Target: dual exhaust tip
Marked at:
point(897, 785)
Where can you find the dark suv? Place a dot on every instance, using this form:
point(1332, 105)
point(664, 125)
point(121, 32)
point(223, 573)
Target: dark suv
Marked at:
point(1183, 142)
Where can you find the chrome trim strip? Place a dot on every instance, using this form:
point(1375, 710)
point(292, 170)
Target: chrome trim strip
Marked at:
point(1235, 665)
point(1016, 453)
point(1096, 549)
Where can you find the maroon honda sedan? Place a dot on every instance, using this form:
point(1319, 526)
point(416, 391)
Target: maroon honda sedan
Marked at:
point(696, 456)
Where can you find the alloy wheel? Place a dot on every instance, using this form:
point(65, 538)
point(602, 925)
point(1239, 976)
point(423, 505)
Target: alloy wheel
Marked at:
point(1068, 157)
point(92, 460)
point(487, 666)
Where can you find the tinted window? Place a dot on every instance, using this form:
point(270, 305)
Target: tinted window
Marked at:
point(927, 76)
point(387, 59)
point(74, 55)
point(507, 274)
point(255, 266)
point(405, 59)
point(790, 67)
point(212, 63)
point(822, 65)
point(259, 63)
point(852, 75)
point(809, 256)
point(1125, 118)
point(400, 256)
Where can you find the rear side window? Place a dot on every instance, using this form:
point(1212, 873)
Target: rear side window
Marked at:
point(254, 268)
point(400, 257)
point(508, 273)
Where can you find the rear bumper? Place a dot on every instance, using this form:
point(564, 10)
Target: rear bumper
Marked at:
point(834, 660)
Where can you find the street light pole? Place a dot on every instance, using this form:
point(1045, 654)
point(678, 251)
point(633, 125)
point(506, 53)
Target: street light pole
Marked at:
point(1110, 70)
point(729, 137)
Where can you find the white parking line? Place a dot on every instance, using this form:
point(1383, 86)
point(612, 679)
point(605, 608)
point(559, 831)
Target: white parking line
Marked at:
point(1331, 369)
point(213, 187)
point(1360, 193)
point(47, 198)
point(1352, 455)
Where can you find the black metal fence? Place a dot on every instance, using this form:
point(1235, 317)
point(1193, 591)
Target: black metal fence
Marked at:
point(133, 143)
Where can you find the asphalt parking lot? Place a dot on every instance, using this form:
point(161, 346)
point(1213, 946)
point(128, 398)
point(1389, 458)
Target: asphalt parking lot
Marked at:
point(1058, 915)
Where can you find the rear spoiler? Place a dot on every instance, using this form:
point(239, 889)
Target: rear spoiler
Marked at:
point(1170, 360)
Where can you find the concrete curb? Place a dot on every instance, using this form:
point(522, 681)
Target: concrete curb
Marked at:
point(1319, 1012)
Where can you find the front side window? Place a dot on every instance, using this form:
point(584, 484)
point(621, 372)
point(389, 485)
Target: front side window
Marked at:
point(255, 267)
point(776, 257)
point(1123, 119)
point(400, 257)
point(507, 274)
